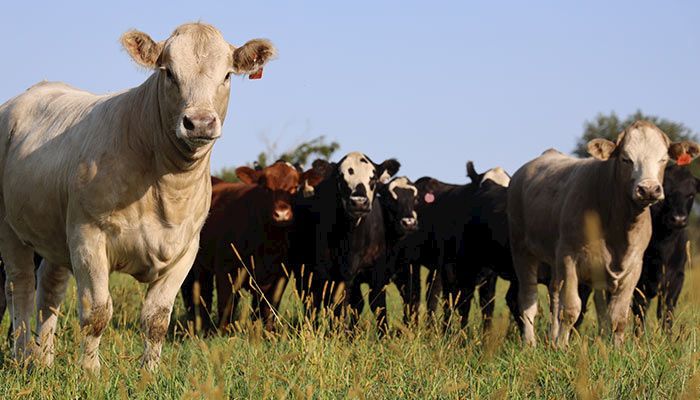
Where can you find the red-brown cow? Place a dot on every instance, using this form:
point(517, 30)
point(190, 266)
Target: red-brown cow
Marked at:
point(254, 216)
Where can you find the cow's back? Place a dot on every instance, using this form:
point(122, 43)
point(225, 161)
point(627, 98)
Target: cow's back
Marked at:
point(48, 136)
point(543, 193)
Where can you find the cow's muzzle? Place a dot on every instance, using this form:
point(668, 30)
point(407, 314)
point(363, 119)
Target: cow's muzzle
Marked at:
point(409, 224)
point(199, 128)
point(648, 192)
point(358, 206)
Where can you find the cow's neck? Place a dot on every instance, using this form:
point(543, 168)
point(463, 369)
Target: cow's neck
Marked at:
point(150, 130)
point(179, 180)
point(622, 215)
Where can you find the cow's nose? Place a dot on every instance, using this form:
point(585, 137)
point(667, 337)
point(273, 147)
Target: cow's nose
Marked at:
point(359, 201)
point(680, 219)
point(282, 214)
point(649, 191)
point(409, 223)
point(200, 125)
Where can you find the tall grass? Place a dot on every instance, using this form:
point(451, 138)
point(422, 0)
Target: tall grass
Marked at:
point(324, 362)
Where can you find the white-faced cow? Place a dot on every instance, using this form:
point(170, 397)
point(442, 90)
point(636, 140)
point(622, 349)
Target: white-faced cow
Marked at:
point(665, 259)
point(589, 219)
point(118, 182)
point(345, 223)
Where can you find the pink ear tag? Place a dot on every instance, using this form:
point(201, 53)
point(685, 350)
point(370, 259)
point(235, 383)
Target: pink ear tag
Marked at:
point(256, 75)
point(684, 159)
point(429, 198)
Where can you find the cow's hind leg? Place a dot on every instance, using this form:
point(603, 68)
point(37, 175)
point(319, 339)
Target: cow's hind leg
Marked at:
point(158, 305)
point(51, 287)
point(487, 299)
point(19, 289)
point(570, 307)
point(526, 267)
point(3, 299)
point(671, 286)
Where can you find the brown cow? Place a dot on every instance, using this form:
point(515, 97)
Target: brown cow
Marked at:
point(590, 220)
point(117, 182)
point(254, 216)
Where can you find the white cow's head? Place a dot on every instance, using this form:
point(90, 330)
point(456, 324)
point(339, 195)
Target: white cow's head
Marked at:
point(358, 177)
point(640, 155)
point(194, 67)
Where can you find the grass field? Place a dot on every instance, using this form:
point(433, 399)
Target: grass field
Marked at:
point(324, 364)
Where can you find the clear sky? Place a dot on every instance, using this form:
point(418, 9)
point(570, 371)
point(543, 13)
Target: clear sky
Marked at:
point(433, 84)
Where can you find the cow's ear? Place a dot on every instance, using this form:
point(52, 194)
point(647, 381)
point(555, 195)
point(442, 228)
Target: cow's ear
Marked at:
point(387, 169)
point(471, 172)
point(310, 179)
point(683, 152)
point(601, 149)
point(252, 56)
point(323, 167)
point(142, 49)
point(248, 175)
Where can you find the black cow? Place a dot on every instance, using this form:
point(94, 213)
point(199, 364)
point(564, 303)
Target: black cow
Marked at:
point(340, 233)
point(665, 258)
point(443, 211)
point(398, 200)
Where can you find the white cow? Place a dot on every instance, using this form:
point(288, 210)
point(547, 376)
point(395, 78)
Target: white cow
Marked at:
point(119, 182)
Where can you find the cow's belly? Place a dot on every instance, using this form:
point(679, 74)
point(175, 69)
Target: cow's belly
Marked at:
point(592, 264)
point(146, 251)
point(37, 215)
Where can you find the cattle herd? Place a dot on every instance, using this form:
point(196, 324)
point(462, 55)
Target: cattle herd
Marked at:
point(92, 184)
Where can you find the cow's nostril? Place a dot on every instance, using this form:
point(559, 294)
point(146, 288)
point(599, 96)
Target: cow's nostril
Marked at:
point(187, 123)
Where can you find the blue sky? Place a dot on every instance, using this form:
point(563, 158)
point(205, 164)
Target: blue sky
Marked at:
point(433, 84)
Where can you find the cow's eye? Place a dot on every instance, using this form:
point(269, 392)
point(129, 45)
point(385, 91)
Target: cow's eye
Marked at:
point(663, 161)
point(626, 160)
point(171, 77)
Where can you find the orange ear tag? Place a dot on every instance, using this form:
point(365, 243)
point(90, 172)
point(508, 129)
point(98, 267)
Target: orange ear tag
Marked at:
point(684, 159)
point(429, 198)
point(256, 75)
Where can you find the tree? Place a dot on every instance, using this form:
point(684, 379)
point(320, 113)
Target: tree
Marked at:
point(609, 126)
point(302, 154)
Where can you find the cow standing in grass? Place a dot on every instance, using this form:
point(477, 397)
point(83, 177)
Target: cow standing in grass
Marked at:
point(665, 259)
point(254, 216)
point(589, 219)
point(119, 182)
point(341, 235)
point(398, 200)
point(444, 211)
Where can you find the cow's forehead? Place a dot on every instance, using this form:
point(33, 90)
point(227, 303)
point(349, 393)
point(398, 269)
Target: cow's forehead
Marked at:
point(357, 167)
point(645, 141)
point(199, 48)
point(401, 183)
point(280, 175)
point(497, 175)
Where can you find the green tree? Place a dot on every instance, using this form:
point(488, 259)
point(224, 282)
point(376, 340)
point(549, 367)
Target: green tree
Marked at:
point(609, 126)
point(303, 154)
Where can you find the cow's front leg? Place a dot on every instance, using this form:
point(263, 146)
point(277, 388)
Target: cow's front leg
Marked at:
point(570, 307)
point(619, 304)
point(601, 309)
point(158, 305)
point(91, 269)
point(19, 289)
point(51, 288)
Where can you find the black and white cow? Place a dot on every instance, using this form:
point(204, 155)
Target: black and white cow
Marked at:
point(665, 259)
point(343, 223)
